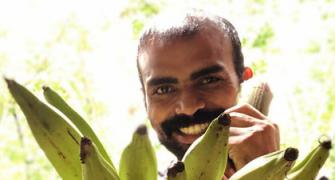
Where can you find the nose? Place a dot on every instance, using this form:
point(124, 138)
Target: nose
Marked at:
point(188, 103)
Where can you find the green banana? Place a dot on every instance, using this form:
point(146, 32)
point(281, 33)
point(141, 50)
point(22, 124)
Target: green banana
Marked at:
point(58, 102)
point(177, 172)
point(260, 97)
point(309, 167)
point(94, 165)
point(207, 157)
point(271, 166)
point(56, 137)
point(138, 159)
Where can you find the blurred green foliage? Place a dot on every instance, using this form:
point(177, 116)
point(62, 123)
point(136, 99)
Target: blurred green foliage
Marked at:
point(138, 12)
point(262, 39)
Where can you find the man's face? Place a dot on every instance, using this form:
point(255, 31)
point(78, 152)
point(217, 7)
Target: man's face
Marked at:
point(187, 83)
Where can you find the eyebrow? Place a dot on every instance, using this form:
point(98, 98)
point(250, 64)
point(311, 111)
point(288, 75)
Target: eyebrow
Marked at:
point(162, 80)
point(206, 71)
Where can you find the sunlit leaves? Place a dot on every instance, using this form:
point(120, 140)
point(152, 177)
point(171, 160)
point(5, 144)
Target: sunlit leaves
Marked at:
point(331, 41)
point(313, 47)
point(260, 66)
point(139, 11)
point(264, 36)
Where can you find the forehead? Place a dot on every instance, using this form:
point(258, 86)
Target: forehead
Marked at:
point(207, 47)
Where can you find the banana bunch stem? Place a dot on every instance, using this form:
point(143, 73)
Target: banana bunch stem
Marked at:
point(94, 165)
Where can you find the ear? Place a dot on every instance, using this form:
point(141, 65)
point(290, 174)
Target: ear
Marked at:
point(247, 73)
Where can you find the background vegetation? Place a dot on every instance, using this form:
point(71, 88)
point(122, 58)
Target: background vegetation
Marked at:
point(86, 51)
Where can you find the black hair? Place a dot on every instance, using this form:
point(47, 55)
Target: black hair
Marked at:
point(186, 27)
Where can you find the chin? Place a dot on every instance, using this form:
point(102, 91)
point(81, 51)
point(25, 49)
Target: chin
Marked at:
point(176, 148)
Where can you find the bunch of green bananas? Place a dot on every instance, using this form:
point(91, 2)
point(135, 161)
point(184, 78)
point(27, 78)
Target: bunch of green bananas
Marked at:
point(67, 144)
point(75, 151)
point(57, 137)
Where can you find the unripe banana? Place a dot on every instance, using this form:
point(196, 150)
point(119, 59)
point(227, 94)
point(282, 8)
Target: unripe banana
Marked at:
point(56, 137)
point(206, 158)
point(58, 102)
point(138, 159)
point(260, 97)
point(271, 166)
point(309, 167)
point(177, 172)
point(94, 166)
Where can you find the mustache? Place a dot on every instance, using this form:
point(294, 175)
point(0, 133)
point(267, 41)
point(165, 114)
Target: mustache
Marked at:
point(173, 124)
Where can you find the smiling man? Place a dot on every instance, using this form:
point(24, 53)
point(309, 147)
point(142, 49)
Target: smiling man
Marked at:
point(191, 71)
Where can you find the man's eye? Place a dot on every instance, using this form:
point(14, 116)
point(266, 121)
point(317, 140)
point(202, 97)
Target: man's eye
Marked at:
point(208, 80)
point(163, 90)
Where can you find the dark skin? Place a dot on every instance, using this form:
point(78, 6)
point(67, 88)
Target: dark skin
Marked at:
point(188, 75)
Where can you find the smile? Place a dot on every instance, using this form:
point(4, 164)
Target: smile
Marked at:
point(194, 129)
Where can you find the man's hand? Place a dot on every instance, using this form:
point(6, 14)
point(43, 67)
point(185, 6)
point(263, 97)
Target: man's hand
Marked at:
point(251, 135)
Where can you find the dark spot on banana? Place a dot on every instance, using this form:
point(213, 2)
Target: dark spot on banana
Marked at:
point(61, 155)
point(71, 135)
point(45, 125)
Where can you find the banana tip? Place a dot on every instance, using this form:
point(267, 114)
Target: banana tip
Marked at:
point(324, 178)
point(8, 81)
point(325, 142)
point(84, 142)
point(178, 167)
point(142, 129)
point(45, 87)
point(224, 119)
point(291, 154)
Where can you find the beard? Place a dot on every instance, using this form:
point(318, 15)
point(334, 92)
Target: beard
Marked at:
point(173, 124)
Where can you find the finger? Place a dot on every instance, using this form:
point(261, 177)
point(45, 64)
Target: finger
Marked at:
point(246, 109)
point(243, 120)
point(225, 177)
point(265, 132)
point(238, 133)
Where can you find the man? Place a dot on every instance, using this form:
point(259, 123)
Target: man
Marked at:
point(191, 71)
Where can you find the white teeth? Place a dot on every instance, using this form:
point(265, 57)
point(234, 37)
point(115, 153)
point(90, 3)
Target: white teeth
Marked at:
point(194, 129)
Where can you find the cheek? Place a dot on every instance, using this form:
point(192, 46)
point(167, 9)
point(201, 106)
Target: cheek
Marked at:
point(157, 114)
point(221, 97)
point(160, 109)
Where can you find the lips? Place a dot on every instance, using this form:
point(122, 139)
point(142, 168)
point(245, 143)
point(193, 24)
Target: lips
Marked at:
point(187, 135)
